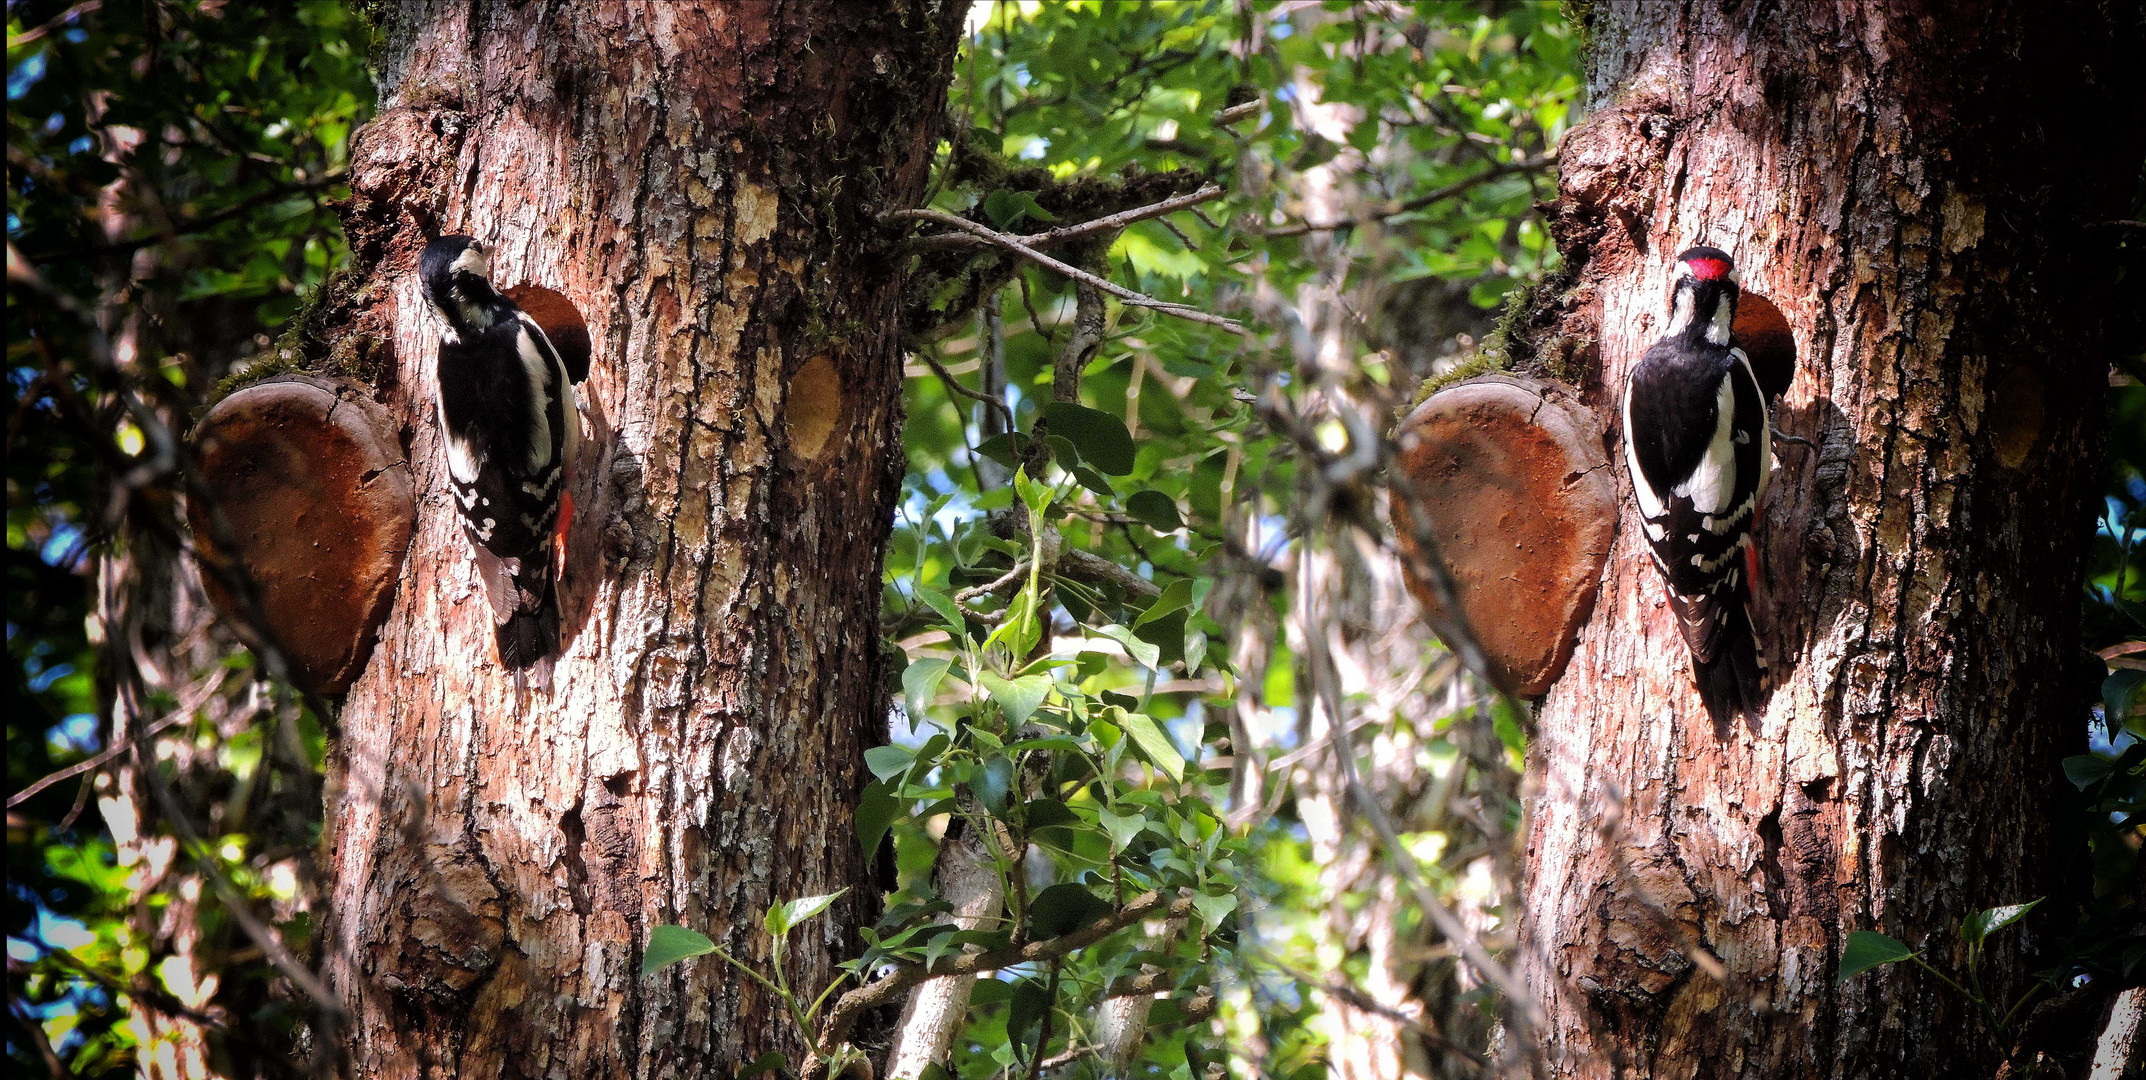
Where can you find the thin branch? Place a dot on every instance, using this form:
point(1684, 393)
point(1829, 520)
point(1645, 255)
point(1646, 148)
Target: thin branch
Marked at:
point(1019, 570)
point(1018, 247)
point(954, 385)
point(1195, 1011)
point(1090, 567)
point(1111, 223)
point(63, 18)
point(203, 224)
point(1235, 113)
point(1335, 986)
point(1458, 187)
point(184, 711)
point(853, 1004)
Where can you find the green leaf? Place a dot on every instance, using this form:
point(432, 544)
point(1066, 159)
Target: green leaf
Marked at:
point(1062, 909)
point(1007, 449)
point(1142, 652)
point(1123, 828)
point(1213, 909)
point(945, 606)
point(920, 680)
point(993, 783)
point(1982, 924)
point(1195, 650)
point(1154, 743)
point(1867, 949)
point(1018, 697)
point(782, 918)
point(1009, 208)
point(669, 944)
point(2120, 695)
point(876, 810)
point(887, 762)
point(1176, 597)
point(1102, 438)
point(1035, 494)
point(1093, 481)
point(1040, 814)
point(1030, 1000)
point(2086, 770)
point(1156, 509)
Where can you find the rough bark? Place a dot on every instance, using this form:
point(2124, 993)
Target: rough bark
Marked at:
point(700, 182)
point(1915, 184)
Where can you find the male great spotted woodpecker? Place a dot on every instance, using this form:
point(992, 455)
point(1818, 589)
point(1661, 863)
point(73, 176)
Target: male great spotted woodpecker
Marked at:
point(511, 428)
point(1699, 448)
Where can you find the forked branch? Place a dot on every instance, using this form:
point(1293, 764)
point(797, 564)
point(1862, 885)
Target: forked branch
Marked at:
point(1020, 247)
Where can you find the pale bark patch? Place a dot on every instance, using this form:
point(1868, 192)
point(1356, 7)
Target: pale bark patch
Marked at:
point(812, 407)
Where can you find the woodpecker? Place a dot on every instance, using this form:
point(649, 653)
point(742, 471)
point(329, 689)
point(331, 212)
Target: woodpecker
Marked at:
point(1699, 447)
point(511, 427)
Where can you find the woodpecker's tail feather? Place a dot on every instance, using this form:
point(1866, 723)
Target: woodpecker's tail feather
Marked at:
point(1726, 661)
point(525, 608)
point(528, 637)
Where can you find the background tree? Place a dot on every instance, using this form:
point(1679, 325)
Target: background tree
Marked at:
point(700, 183)
point(1922, 191)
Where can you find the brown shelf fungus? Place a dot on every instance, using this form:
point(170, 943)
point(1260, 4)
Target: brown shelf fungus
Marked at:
point(315, 501)
point(1513, 485)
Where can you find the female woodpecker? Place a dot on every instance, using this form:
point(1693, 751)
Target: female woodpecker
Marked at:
point(512, 428)
point(1699, 447)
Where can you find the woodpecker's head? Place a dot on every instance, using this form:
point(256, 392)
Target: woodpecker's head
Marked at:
point(1706, 292)
point(456, 272)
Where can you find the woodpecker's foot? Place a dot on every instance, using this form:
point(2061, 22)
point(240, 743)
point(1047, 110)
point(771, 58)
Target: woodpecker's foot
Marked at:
point(1782, 436)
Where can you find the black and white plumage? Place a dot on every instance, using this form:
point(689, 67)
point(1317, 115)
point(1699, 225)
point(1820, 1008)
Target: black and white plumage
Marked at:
point(511, 429)
point(1699, 447)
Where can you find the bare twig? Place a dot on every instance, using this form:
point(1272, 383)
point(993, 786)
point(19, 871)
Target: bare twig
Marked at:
point(1019, 247)
point(185, 710)
point(1335, 986)
point(1235, 113)
point(1458, 187)
point(1090, 567)
point(1110, 223)
point(1525, 1013)
point(1086, 341)
point(63, 18)
point(1020, 569)
point(954, 385)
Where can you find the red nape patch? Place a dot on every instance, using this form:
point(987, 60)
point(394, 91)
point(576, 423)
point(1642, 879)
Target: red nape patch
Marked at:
point(1708, 269)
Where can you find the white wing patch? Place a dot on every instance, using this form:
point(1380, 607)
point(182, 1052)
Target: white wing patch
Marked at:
point(565, 383)
point(1765, 429)
point(1713, 483)
point(1650, 507)
point(541, 375)
point(462, 463)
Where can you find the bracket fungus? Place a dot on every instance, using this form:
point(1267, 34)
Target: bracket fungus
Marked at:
point(312, 486)
point(1512, 481)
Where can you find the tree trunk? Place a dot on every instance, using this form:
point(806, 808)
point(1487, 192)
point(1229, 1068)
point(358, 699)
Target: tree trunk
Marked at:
point(700, 183)
point(1917, 185)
